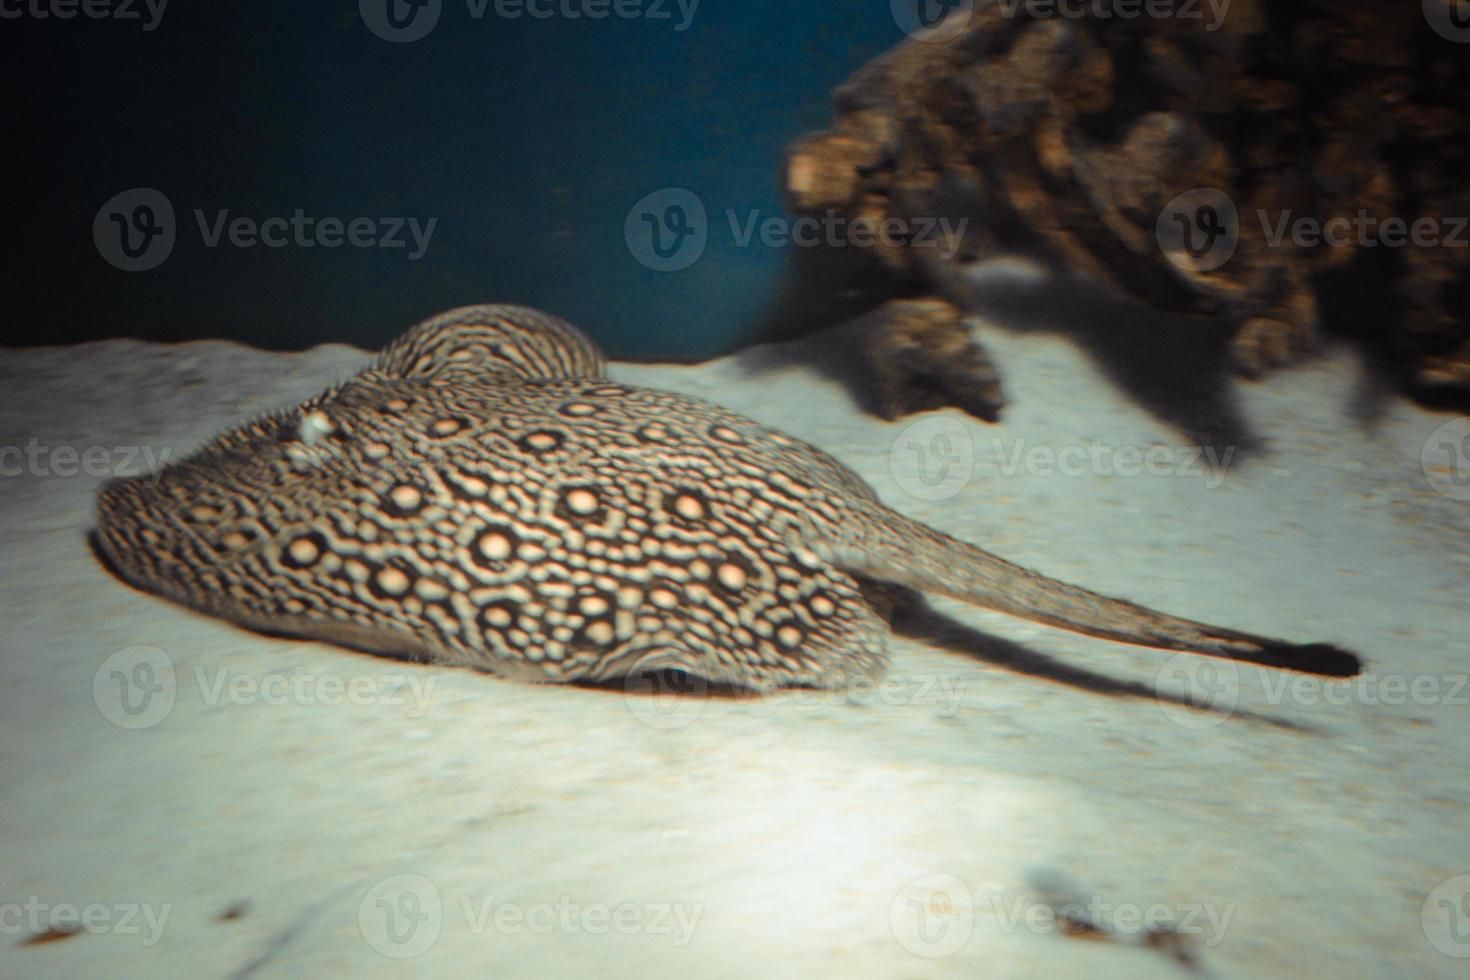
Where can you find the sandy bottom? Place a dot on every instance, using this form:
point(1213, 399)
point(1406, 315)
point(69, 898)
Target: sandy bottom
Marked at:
point(210, 802)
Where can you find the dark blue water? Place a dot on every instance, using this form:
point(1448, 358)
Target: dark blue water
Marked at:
point(527, 141)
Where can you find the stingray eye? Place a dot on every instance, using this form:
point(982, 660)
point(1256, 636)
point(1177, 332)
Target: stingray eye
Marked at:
point(315, 426)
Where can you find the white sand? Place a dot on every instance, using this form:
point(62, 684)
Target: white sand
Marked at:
point(567, 832)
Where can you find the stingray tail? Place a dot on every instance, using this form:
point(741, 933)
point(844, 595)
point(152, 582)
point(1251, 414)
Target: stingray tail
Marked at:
point(891, 547)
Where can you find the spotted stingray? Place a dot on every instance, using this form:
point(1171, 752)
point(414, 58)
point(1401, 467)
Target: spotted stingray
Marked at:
point(483, 495)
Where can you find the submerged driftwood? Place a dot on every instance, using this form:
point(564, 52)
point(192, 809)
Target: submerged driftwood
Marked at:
point(1070, 140)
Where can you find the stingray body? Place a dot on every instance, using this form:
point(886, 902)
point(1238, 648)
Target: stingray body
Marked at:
point(483, 495)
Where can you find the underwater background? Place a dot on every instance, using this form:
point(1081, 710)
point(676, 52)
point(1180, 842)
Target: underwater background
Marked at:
point(1114, 378)
point(525, 140)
